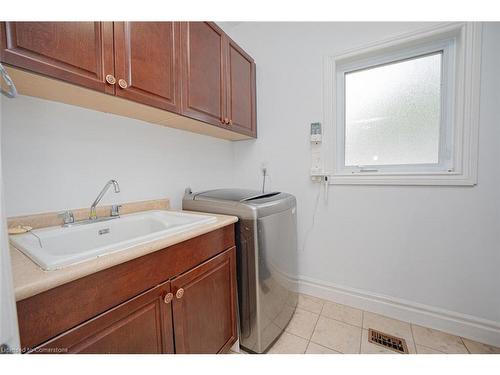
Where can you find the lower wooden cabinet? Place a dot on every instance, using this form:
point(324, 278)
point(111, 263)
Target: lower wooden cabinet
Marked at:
point(204, 306)
point(141, 325)
point(181, 299)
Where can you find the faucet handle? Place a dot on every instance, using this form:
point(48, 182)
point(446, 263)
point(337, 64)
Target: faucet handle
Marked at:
point(67, 217)
point(115, 209)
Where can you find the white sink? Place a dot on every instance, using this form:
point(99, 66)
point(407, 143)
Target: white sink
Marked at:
point(65, 246)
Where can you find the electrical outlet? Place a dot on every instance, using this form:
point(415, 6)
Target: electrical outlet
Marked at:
point(263, 167)
point(316, 162)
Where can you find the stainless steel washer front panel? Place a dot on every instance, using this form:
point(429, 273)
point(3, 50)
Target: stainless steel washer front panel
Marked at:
point(277, 268)
point(266, 241)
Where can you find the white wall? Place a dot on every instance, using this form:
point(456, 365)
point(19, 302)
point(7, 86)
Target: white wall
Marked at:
point(435, 246)
point(56, 156)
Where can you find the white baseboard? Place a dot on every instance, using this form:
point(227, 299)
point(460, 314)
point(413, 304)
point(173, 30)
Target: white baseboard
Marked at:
point(475, 328)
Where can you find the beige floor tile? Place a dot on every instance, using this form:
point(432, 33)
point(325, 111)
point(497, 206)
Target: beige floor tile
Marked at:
point(343, 313)
point(336, 335)
point(302, 323)
point(425, 350)
point(480, 348)
point(387, 325)
point(310, 303)
point(289, 344)
point(314, 348)
point(370, 348)
point(438, 340)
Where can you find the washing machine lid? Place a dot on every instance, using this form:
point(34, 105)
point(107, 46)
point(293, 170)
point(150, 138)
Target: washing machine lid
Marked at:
point(233, 195)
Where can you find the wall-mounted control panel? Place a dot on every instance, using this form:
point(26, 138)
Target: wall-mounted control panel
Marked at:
point(316, 153)
point(316, 132)
point(318, 173)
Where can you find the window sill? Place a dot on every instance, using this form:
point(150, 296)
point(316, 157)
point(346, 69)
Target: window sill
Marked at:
point(427, 179)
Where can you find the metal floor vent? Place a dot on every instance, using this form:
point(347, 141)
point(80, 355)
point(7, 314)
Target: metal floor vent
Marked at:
point(393, 343)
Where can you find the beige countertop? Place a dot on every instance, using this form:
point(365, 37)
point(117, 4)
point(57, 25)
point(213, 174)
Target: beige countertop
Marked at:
point(30, 279)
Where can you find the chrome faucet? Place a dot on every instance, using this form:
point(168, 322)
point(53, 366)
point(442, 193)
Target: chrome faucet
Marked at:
point(93, 214)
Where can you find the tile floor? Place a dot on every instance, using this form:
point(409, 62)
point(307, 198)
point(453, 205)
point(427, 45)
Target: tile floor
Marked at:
point(324, 327)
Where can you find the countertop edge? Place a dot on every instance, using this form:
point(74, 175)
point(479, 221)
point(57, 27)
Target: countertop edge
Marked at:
point(30, 279)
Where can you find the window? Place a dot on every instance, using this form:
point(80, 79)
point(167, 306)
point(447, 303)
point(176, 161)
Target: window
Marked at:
point(405, 111)
point(392, 113)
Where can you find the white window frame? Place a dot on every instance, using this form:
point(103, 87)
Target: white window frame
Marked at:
point(460, 44)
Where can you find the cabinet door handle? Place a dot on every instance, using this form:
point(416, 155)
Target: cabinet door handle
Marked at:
point(179, 293)
point(110, 79)
point(122, 83)
point(168, 298)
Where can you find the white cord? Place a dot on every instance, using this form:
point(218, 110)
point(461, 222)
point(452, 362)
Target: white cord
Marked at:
point(306, 236)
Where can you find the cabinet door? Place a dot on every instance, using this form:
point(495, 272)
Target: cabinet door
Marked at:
point(203, 79)
point(77, 52)
point(204, 306)
point(241, 90)
point(141, 325)
point(146, 63)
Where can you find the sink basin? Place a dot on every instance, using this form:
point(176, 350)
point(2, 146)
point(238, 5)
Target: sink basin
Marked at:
point(57, 247)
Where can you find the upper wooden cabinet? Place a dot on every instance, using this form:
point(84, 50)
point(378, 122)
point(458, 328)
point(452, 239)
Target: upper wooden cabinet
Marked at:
point(218, 78)
point(76, 52)
point(192, 69)
point(146, 63)
point(203, 77)
point(241, 90)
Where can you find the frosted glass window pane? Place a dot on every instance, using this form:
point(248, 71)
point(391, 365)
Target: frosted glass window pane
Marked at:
point(392, 113)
